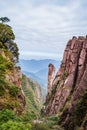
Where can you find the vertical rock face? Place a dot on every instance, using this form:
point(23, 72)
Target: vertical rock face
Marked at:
point(51, 71)
point(70, 82)
point(14, 77)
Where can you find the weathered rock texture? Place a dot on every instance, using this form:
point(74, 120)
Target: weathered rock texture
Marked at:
point(11, 93)
point(70, 82)
point(14, 77)
point(51, 71)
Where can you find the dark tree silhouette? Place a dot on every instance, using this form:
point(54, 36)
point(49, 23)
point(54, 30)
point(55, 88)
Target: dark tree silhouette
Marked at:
point(7, 38)
point(4, 19)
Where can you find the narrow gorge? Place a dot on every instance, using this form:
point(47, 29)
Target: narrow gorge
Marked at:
point(21, 97)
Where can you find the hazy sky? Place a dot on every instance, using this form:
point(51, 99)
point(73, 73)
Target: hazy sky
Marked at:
point(43, 27)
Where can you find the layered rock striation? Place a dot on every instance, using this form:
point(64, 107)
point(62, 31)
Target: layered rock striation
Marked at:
point(70, 82)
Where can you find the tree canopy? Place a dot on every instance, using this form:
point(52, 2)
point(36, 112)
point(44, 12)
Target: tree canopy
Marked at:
point(4, 19)
point(7, 38)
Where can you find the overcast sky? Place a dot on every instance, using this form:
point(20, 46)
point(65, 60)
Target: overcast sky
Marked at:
point(43, 27)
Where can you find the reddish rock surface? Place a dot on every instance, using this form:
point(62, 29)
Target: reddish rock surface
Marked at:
point(14, 77)
point(51, 71)
point(70, 82)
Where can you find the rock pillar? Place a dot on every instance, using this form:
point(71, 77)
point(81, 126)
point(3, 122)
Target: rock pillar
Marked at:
point(51, 72)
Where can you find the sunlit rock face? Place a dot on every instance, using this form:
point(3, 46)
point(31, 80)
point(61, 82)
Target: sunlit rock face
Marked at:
point(70, 81)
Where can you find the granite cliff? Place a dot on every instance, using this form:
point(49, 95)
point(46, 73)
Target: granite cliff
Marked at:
point(69, 87)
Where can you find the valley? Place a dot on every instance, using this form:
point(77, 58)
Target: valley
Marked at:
point(38, 70)
point(42, 94)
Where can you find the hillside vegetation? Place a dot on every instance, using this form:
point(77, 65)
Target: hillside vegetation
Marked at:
point(21, 97)
point(33, 96)
point(10, 88)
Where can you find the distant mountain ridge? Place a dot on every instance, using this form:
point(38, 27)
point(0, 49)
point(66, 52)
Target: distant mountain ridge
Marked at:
point(38, 69)
point(36, 65)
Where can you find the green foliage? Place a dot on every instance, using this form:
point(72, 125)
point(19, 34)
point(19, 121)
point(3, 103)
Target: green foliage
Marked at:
point(10, 121)
point(53, 118)
point(4, 19)
point(2, 76)
point(31, 84)
point(5, 64)
point(13, 125)
point(12, 47)
point(77, 115)
point(8, 92)
point(2, 65)
point(6, 115)
point(28, 117)
point(9, 65)
point(2, 68)
point(40, 126)
point(6, 33)
point(2, 86)
point(7, 41)
point(32, 104)
point(79, 111)
point(54, 89)
point(65, 74)
point(13, 90)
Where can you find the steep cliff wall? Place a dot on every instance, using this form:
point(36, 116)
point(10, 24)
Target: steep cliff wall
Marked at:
point(70, 82)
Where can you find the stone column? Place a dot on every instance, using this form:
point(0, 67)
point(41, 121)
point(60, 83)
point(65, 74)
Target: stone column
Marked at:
point(51, 72)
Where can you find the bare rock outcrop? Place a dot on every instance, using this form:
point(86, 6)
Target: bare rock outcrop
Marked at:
point(51, 71)
point(70, 82)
